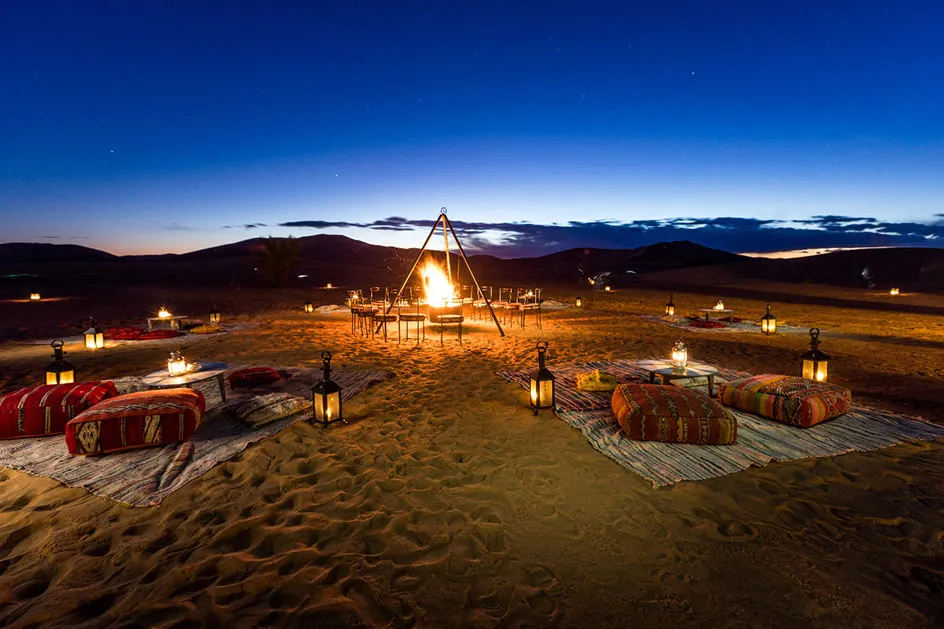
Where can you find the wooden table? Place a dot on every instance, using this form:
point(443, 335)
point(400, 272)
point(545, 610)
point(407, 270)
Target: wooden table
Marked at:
point(161, 380)
point(173, 322)
point(662, 372)
point(728, 311)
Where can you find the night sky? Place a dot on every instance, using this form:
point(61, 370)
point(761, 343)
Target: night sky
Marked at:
point(151, 127)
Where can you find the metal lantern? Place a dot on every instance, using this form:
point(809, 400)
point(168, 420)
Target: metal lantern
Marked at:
point(607, 288)
point(768, 323)
point(176, 364)
point(679, 356)
point(34, 297)
point(214, 315)
point(542, 382)
point(670, 306)
point(60, 371)
point(309, 307)
point(329, 285)
point(326, 396)
point(164, 313)
point(719, 305)
point(895, 291)
point(815, 362)
point(578, 302)
point(94, 338)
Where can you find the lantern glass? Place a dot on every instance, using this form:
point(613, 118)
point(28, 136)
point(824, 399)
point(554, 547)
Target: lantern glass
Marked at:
point(578, 302)
point(329, 285)
point(679, 356)
point(815, 370)
point(309, 307)
point(607, 288)
point(60, 371)
point(34, 297)
point(894, 291)
point(163, 313)
point(327, 407)
point(176, 364)
point(670, 306)
point(94, 339)
point(214, 315)
point(719, 305)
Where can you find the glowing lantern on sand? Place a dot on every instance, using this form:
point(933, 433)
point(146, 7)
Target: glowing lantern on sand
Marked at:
point(176, 364)
point(894, 291)
point(670, 306)
point(768, 323)
point(60, 371)
point(326, 395)
point(309, 307)
point(34, 297)
point(578, 302)
point(679, 356)
point(214, 315)
point(542, 383)
point(607, 288)
point(815, 362)
point(329, 285)
point(94, 338)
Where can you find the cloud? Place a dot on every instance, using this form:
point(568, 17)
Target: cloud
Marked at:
point(519, 239)
point(245, 226)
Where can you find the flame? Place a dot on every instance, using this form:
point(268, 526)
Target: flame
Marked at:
point(719, 305)
point(439, 291)
point(163, 313)
point(894, 291)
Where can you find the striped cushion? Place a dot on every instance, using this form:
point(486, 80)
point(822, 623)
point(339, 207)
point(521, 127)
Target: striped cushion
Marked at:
point(136, 420)
point(786, 399)
point(652, 412)
point(45, 409)
point(253, 377)
point(259, 410)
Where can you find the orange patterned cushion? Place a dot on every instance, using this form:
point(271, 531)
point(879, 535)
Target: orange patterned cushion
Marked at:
point(652, 412)
point(44, 409)
point(786, 399)
point(136, 420)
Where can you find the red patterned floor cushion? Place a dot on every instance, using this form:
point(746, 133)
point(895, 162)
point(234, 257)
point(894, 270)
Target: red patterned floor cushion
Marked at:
point(151, 335)
point(253, 377)
point(122, 334)
point(786, 399)
point(136, 420)
point(652, 412)
point(45, 409)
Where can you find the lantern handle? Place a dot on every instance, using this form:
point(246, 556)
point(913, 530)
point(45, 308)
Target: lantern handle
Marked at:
point(442, 210)
point(326, 355)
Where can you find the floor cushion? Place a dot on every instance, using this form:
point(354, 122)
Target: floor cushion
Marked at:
point(653, 412)
point(136, 420)
point(45, 409)
point(122, 334)
point(152, 335)
point(259, 410)
point(787, 399)
point(253, 377)
point(206, 328)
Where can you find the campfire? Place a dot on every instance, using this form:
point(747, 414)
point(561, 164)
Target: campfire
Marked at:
point(439, 292)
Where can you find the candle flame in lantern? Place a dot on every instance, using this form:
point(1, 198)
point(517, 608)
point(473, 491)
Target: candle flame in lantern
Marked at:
point(439, 291)
point(163, 313)
point(894, 291)
point(719, 305)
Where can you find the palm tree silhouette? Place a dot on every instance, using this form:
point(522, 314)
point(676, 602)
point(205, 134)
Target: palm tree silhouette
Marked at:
point(278, 256)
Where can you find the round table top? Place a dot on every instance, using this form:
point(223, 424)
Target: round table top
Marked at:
point(716, 309)
point(161, 378)
point(664, 367)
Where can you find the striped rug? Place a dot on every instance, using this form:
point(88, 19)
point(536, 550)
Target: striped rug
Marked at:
point(759, 442)
point(142, 478)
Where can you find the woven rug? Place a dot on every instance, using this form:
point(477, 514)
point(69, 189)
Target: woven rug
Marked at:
point(683, 323)
point(759, 441)
point(142, 478)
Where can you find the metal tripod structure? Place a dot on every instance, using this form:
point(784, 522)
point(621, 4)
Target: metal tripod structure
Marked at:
point(442, 218)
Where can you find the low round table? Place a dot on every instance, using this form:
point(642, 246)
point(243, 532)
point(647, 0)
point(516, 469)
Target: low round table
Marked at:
point(666, 373)
point(161, 380)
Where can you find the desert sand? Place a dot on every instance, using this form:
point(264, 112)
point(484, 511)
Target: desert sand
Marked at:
point(446, 502)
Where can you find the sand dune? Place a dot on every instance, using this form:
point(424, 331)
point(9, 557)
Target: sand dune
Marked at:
point(445, 502)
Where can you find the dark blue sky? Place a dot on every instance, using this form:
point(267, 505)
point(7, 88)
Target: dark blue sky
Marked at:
point(169, 126)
